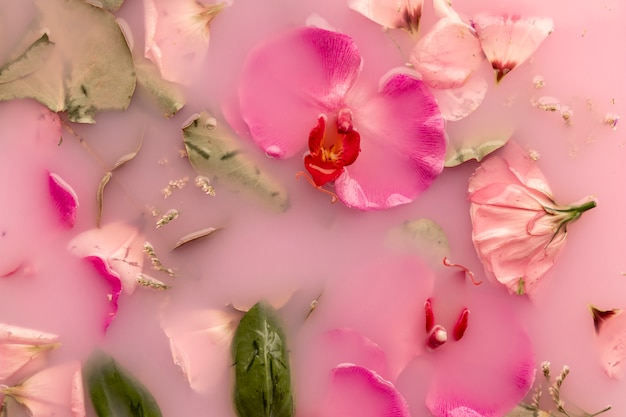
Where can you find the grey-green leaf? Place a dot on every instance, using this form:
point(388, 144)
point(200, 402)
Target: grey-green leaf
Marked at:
point(167, 95)
point(261, 361)
point(30, 61)
point(110, 5)
point(114, 392)
point(214, 151)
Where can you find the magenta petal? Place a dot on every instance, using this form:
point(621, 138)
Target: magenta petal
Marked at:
point(113, 280)
point(288, 81)
point(403, 145)
point(359, 392)
point(64, 198)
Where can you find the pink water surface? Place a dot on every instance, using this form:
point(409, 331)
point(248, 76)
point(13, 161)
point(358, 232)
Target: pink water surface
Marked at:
point(314, 247)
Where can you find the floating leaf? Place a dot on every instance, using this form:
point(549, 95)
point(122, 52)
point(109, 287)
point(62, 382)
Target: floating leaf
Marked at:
point(262, 375)
point(213, 150)
point(114, 392)
point(196, 235)
point(100, 195)
point(423, 236)
point(475, 148)
point(168, 96)
point(110, 5)
point(88, 68)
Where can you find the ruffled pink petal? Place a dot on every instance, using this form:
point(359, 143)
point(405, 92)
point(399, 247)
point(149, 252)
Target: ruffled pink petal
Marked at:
point(65, 199)
point(177, 36)
point(19, 346)
point(359, 392)
point(53, 392)
point(611, 344)
point(119, 245)
point(508, 41)
point(113, 281)
point(199, 343)
point(448, 54)
point(487, 372)
point(402, 14)
point(281, 94)
point(403, 145)
point(457, 103)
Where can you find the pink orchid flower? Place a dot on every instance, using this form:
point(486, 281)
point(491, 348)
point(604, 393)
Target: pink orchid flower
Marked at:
point(116, 253)
point(610, 326)
point(19, 346)
point(517, 228)
point(380, 151)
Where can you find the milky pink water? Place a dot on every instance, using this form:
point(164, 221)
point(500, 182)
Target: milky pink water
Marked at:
point(315, 247)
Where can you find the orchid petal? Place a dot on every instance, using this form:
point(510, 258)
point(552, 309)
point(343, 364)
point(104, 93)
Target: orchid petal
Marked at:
point(19, 346)
point(492, 383)
point(199, 343)
point(400, 14)
point(508, 41)
point(177, 36)
point(118, 245)
point(53, 392)
point(457, 103)
point(447, 55)
point(358, 391)
point(611, 344)
point(402, 146)
point(65, 199)
point(281, 95)
point(113, 280)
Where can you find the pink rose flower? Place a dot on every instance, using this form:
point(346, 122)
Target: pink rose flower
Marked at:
point(380, 151)
point(518, 228)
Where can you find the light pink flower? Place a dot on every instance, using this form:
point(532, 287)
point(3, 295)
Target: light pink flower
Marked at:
point(19, 346)
point(380, 151)
point(395, 14)
point(177, 35)
point(509, 40)
point(53, 392)
point(610, 329)
point(116, 253)
point(518, 228)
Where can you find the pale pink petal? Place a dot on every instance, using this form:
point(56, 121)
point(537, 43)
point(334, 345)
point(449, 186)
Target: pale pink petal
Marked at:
point(112, 279)
point(281, 94)
point(199, 343)
point(509, 40)
point(447, 55)
point(457, 103)
point(488, 371)
point(119, 245)
point(64, 198)
point(52, 392)
point(356, 391)
point(177, 36)
point(403, 144)
point(611, 344)
point(19, 346)
point(396, 14)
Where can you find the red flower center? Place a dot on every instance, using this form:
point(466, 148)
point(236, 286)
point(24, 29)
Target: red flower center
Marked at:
point(331, 148)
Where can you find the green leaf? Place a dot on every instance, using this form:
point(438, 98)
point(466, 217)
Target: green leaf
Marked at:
point(110, 5)
point(214, 150)
point(262, 375)
point(167, 95)
point(114, 392)
point(89, 69)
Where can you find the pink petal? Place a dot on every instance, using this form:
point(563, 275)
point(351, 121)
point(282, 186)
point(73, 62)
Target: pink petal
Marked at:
point(199, 343)
point(65, 199)
point(113, 280)
point(19, 346)
point(281, 94)
point(177, 36)
point(489, 370)
point(403, 144)
point(611, 345)
point(53, 392)
point(457, 103)
point(403, 14)
point(508, 41)
point(448, 54)
point(119, 245)
point(359, 392)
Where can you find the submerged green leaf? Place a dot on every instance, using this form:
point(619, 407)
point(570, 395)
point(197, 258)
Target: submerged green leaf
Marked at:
point(110, 5)
point(214, 151)
point(114, 392)
point(84, 67)
point(167, 95)
point(262, 373)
